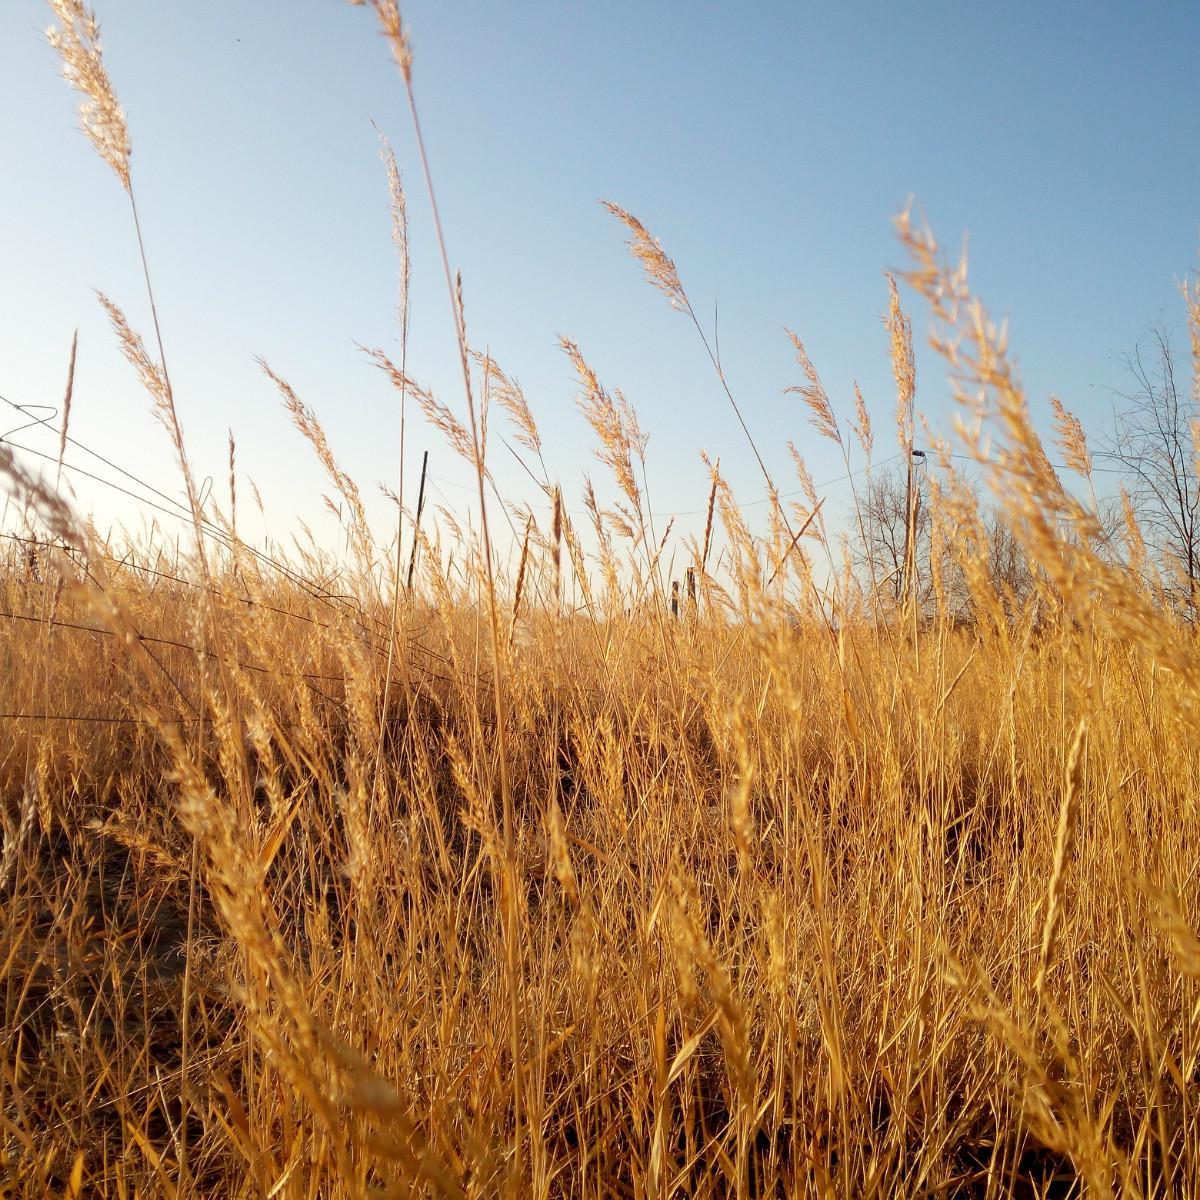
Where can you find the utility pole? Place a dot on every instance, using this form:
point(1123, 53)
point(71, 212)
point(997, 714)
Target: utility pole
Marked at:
point(911, 501)
point(412, 558)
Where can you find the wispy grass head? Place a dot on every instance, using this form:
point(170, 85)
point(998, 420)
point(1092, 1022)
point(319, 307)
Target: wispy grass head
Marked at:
point(436, 413)
point(1071, 439)
point(611, 421)
point(77, 40)
point(904, 367)
point(812, 392)
point(398, 203)
point(862, 422)
point(508, 393)
point(392, 27)
point(659, 267)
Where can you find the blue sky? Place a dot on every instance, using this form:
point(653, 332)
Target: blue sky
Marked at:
point(768, 146)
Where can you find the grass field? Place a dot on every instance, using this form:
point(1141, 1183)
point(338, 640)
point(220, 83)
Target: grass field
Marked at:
point(515, 882)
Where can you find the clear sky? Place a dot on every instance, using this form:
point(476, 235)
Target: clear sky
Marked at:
point(768, 146)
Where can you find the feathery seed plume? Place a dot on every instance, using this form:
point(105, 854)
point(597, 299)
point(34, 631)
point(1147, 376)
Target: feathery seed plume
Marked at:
point(66, 420)
point(392, 27)
point(435, 411)
point(560, 855)
point(306, 422)
point(1068, 821)
point(520, 587)
point(1071, 439)
point(611, 422)
point(813, 394)
point(862, 422)
point(714, 472)
point(804, 475)
point(507, 392)
point(154, 380)
point(904, 368)
point(629, 421)
point(556, 540)
point(659, 268)
point(233, 484)
point(398, 204)
point(77, 40)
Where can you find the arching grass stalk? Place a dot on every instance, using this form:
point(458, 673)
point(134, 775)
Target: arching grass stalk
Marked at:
point(77, 40)
point(399, 214)
point(661, 273)
point(388, 14)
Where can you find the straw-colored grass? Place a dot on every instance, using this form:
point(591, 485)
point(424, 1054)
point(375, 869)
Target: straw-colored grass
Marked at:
point(515, 883)
point(791, 914)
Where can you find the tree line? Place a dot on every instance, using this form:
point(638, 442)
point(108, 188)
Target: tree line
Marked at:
point(1149, 451)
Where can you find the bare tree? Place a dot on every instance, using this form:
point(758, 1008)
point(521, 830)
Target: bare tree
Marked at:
point(1153, 443)
point(1007, 563)
point(880, 553)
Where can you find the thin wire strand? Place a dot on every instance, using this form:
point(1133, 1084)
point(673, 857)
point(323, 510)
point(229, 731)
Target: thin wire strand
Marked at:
point(189, 583)
point(180, 511)
point(164, 641)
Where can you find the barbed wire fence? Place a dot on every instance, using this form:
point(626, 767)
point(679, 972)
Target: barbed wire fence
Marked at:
point(342, 607)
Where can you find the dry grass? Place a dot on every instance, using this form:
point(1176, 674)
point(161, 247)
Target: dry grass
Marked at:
point(784, 923)
point(513, 883)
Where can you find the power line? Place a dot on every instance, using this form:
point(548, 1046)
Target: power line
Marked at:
point(1056, 466)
